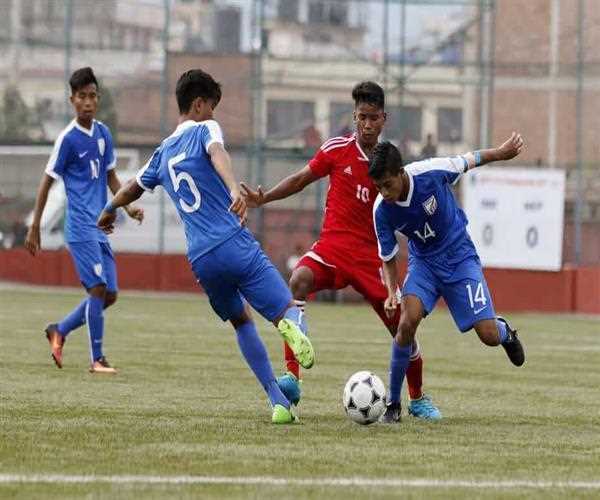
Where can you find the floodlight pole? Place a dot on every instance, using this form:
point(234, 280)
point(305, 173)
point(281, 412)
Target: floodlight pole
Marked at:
point(164, 91)
point(68, 26)
point(579, 132)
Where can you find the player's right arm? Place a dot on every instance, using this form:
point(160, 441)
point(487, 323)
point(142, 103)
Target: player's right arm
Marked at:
point(33, 238)
point(388, 250)
point(128, 193)
point(55, 168)
point(287, 187)
point(390, 278)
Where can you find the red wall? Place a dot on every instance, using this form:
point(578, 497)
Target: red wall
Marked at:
point(569, 290)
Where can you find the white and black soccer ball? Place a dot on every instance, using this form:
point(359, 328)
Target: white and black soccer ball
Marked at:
point(364, 398)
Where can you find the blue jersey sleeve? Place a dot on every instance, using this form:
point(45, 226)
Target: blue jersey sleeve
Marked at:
point(386, 239)
point(110, 157)
point(210, 132)
point(59, 159)
point(447, 170)
point(147, 177)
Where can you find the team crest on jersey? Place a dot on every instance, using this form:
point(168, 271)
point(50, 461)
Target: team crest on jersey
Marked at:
point(430, 205)
point(101, 146)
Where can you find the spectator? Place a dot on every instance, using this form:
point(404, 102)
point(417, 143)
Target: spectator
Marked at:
point(429, 149)
point(293, 259)
point(312, 138)
point(405, 150)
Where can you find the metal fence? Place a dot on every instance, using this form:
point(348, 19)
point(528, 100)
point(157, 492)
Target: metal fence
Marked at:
point(462, 72)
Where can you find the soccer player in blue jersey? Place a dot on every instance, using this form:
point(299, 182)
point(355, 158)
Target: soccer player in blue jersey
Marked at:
point(416, 201)
point(194, 168)
point(84, 158)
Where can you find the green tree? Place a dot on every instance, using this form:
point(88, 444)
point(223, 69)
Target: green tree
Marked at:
point(106, 111)
point(15, 121)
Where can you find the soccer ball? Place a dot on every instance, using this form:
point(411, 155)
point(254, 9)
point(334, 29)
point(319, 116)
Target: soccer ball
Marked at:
point(364, 398)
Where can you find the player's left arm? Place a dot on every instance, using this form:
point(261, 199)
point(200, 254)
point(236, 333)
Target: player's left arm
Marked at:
point(128, 193)
point(114, 185)
point(222, 162)
point(508, 150)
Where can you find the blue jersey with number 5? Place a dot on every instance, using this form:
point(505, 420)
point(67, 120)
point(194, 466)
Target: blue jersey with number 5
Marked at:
point(182, 166)
point(430, 217)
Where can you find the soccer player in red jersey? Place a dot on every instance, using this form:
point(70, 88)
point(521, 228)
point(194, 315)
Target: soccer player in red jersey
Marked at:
point(346, 252)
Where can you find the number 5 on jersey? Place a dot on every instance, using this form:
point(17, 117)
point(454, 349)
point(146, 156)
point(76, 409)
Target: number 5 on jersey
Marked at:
point(177, 179)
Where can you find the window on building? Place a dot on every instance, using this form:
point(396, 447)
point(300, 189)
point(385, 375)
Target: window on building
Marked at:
point(450, 125)
point(288, 119)
point(403, 122)
point(288, 10)
point(340, 118)
point(334, 13)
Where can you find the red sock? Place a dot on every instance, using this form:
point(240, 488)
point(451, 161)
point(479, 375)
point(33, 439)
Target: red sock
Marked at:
point(414, 378)
point(290, 361)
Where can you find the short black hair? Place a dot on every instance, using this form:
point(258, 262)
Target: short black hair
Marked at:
point(385, 160)
point(193, 84)
point(369, 93)
point(82, 77)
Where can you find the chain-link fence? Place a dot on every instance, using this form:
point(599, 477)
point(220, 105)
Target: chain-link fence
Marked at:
point(458, 74)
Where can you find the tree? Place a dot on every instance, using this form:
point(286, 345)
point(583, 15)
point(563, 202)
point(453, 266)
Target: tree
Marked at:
point(15, 121)
point(107, 112)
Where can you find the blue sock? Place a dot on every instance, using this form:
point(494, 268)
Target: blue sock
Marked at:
point(398, 366)
point(502, 332)
point(73, 320)
point(257, 358)
point(95, 320)
point(296, 315)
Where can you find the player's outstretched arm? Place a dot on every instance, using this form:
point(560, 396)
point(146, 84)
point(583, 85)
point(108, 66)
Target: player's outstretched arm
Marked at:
point(508, 150)
point(33, 238)
point(286, 187)
point(114, 184)
point(128, 193)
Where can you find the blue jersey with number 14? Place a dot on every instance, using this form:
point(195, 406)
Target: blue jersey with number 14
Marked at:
point(182, 166)
point(430, 217)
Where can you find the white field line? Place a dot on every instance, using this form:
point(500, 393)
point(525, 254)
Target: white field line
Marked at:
point(275, 481)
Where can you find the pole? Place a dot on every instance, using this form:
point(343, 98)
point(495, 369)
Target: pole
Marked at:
point(164, 91)
point(579, 132)
point(402, 53)
point(68, 27)
point(385, 44)
point(258, 107)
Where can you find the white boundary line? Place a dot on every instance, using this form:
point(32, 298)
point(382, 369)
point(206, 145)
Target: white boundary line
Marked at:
point(275, 481)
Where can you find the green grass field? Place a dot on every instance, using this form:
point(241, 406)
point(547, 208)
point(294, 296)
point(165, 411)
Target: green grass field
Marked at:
point(185, 404)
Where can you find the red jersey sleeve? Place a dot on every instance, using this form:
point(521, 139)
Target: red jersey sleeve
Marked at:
point(321, 164)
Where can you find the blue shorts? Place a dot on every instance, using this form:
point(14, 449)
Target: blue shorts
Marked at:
point(457, 276)
point(237, 271)
point(95, 264)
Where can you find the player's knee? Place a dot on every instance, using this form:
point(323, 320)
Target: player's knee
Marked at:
point(488, 333)
point(109, 299)
point(98, 291)
point(301, 283)
point(244, 317)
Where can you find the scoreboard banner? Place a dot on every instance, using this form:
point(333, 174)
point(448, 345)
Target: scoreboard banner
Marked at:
point(516, 216)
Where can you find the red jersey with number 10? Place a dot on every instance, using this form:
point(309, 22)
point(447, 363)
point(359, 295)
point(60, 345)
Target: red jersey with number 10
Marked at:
point(348, 218)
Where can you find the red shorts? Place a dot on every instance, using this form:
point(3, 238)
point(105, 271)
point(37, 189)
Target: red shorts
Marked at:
point(335, 268)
